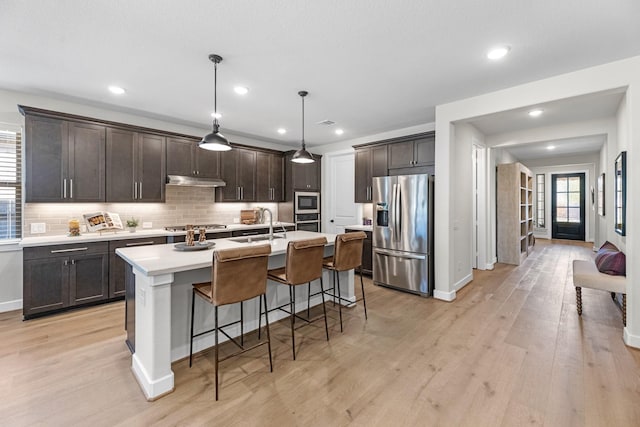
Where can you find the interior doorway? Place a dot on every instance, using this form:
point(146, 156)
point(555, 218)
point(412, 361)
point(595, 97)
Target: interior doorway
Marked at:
point(480, 184)
point(568, 206)
point(339, 208)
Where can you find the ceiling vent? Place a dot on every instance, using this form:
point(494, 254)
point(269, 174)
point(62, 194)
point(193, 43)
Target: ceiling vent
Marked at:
point(327, 123)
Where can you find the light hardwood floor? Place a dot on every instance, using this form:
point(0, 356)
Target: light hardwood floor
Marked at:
point(511, 350)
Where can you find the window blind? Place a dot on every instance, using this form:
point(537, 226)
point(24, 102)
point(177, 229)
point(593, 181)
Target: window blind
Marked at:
point(10, 185)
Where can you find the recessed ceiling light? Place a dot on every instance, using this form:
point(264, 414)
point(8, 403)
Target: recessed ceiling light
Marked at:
point(498, 52)
point(282, 131)
point(339, 131)
point(535, 113)
point(551, 147)
point(216, 115)
point(241, 90)
point(116, 90)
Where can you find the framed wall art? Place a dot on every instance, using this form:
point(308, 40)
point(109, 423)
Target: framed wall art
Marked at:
point(620, 193)
point(601, 194)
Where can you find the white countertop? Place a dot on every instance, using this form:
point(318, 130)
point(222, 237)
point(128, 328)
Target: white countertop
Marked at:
point(359, 227)
point(163, 259)
point(125, 234)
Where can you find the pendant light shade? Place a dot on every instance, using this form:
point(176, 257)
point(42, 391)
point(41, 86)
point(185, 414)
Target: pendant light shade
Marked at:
point(302, 155)
point(215, 141)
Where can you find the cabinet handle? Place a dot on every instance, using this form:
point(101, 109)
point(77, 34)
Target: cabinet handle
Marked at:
point(140, 189)
point(59, 251)
point(195, 173)
point(73, 262)
point(241, 193)
point(135, 190)
point(71, 188)
point(140, 243)
point(64, 188)
point(66, 262)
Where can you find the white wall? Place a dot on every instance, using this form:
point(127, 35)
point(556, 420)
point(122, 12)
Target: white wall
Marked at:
point(619, 74)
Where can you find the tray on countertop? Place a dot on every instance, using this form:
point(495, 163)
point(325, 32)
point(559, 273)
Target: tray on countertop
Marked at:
point(197, 247)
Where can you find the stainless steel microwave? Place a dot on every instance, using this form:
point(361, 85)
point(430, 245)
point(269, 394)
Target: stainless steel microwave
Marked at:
point(307, 202)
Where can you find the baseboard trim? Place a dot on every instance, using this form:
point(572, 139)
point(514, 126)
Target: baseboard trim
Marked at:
point(152, 389)
point(490, 266)
point(463, 282)
point(10, 305)
point(444, 296)
point(630, 339)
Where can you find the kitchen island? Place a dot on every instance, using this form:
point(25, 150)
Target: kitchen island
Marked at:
point(162, 288)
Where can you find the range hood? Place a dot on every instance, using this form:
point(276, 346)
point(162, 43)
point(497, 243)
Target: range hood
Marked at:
point(190, 181)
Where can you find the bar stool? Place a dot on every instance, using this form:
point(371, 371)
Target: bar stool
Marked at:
point(303, 264)
point(237, 275)
point(347, 256)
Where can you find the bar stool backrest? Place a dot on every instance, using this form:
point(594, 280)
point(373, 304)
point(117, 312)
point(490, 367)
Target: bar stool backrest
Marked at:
point(304, 260)
point(239, 274)
point(348, 250)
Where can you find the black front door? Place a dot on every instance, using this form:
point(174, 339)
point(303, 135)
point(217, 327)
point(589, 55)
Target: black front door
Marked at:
point(567, 206)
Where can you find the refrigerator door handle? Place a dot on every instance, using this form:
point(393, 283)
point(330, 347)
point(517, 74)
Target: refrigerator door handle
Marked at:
point(399, 213)
point(399, 255)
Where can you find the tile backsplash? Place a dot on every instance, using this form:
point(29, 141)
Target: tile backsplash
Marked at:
point(183, 205)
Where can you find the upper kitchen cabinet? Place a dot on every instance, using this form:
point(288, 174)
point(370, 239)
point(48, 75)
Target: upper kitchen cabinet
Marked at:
point(301, 176)
point(269, 174)
point(135, 166)
point(414, 153)
point(64, 160)
point(369, 162)
point(185, 158)
point(238, 170)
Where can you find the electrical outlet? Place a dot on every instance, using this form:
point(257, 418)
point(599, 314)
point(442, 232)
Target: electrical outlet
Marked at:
point(236, 220)
point(147, 224)
point(38, 228)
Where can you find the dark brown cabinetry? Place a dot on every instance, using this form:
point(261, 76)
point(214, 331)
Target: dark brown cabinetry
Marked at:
point(369, 162)
point(301, 176)
point(238, 170)
point(269, 177)
point(185, 158)
point(415, 153)
point(117, 265)
point(64, 160)
point(367, 252)
point(62, 276)
point(135, 166)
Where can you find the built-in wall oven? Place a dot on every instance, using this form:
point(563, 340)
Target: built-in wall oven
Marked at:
point(308, 222)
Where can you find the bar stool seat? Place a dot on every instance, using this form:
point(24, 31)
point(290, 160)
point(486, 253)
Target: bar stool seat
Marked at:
point(237, 275)
point(303, 264)
point(347, 256)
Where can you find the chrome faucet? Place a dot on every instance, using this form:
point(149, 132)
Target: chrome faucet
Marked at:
point(270, 223)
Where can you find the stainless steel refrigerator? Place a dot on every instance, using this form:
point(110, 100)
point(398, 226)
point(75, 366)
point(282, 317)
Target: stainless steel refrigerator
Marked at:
point(403, 233)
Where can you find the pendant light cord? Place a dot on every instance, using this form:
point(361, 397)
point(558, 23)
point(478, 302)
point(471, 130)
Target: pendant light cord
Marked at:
point(215, 93)
point(303, 144)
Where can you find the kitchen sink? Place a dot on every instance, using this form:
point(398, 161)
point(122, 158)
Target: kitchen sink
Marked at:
point(251, 239)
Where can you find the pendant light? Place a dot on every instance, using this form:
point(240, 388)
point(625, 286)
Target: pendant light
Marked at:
point(215, 141)
point(302, 155)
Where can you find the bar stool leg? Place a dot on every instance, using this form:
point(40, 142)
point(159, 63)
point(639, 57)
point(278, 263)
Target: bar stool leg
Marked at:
point(193, 300)
point(339, 300)
point(242, 323)
point(364, 301)
point(324, 309)
point(333, 290)
point(292, 309)
point(308, 300)
point(215, 332)
point(266, 321)
point(260, 313)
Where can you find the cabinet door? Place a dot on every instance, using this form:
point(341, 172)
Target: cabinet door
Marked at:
point(180, 152)
point(425, 151)
point(46, 159)
point(151, 176)
point(86, 162)
point(246, 170)
point(362, 175)
point(299, 176)
point(45, 285)
point(379, 165)
point(88, 278)
point(401, 155)
point(231, 192)
point(120, 166)
point(367, 254)
point(276, 177)
point(263, 185)
point(208, 162)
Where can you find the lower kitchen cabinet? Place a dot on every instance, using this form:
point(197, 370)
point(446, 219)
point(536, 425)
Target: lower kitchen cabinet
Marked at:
point(63, 276)
point(367, 252)
point(117, 264)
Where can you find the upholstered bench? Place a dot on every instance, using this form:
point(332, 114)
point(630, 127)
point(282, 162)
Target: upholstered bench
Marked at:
point(586, 275)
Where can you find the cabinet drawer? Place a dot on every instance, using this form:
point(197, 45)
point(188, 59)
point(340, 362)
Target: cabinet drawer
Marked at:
point(251, 232)
point(65, 250)
point(126, 243)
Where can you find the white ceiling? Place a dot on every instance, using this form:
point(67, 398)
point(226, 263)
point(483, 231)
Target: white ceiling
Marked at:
point(369, 65)
point(561, 148)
